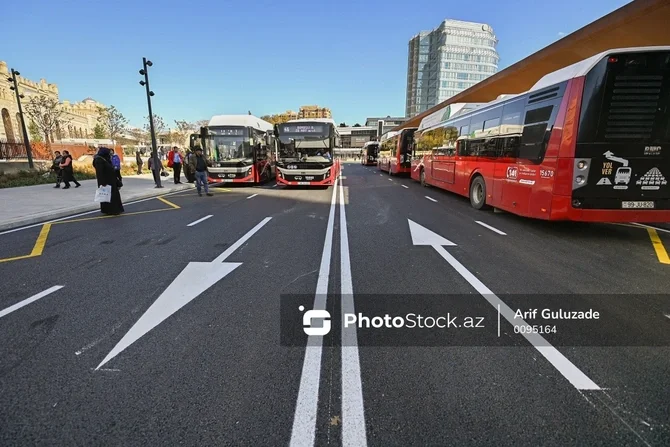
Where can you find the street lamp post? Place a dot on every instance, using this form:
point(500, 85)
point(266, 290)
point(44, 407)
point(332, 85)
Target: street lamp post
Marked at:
point(154, 148)
point(26, 140)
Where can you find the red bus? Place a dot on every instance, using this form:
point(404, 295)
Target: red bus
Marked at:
point(395, 156)
point(240, 149)
point(306, 148)
point(584, 144)
point(369, 153)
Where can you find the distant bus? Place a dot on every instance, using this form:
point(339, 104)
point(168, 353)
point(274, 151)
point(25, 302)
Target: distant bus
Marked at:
point(370, 153)
point(589, 142)
point(306, 148)
point(395, 156)
point(240, 149)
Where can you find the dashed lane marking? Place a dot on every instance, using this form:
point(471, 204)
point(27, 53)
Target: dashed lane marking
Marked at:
point(202, 219)
point(27, 301)
point(495, 230)
point(405, 186)
point(252, 196)
point(431, 199)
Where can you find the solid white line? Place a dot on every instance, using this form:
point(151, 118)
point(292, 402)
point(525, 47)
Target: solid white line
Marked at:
point(27, 301)
point(649, 226)
point(304, 419)
point(574, 375)
point(490, 227)
point(222, 257)
point(430, 198)
point(85, 213)
point(199, 220)
point(498, 320)
point(405, 186)
point(353, 415)
point(252, 196)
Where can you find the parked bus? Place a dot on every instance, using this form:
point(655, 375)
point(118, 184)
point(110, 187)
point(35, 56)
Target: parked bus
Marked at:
point(370, 153)
point(585, 143)
point(306, 148)
point(240, 149)
point(395, 156)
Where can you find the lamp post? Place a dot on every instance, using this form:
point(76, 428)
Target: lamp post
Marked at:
point(154, 149)
point(26, 141)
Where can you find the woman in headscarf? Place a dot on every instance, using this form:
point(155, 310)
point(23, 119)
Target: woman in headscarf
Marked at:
point(106, 176)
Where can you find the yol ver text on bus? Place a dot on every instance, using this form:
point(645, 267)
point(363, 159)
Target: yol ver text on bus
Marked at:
point(305, 155)
point(239, 149)
point(589, 142)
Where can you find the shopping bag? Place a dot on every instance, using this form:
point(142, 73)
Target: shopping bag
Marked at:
point(103, 194)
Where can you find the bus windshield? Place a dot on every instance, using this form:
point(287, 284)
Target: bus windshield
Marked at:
point(230, 143)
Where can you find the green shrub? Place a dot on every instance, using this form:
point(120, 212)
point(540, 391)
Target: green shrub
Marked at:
point(29, 178)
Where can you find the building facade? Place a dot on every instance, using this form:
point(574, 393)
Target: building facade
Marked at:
point(447, 60)
point(314, 112)
point(389, 122)
point(79, 118)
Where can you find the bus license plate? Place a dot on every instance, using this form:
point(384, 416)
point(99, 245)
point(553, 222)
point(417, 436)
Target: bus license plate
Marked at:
point(303, 183)
point(644, 205)
point(225, 180)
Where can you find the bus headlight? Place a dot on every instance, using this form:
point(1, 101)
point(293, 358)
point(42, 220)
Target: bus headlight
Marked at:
point(249, 171)
point(580, 179)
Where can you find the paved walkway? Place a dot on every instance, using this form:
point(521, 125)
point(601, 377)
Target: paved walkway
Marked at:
point(31, 204)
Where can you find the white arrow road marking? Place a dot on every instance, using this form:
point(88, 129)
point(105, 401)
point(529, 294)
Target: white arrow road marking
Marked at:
point(27, 301)
point(574, 375)
point(304, 419)
point(195, 279)
point(353, 415)
point(199, 220)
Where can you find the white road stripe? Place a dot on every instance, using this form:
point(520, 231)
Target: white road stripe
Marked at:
point(390, 180)
point(430, 198)
point(649, 226)
point(353, 415)
point(574, 375)
point(252, 196)
point(382, 175)
point(304, 419)
point(405, 186)
point(490, 227)
point(274, 186)
point(199, 220)
point(27, 301)
point(86, 213)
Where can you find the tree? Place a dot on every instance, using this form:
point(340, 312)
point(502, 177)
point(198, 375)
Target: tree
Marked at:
point(159, 126)
point(357, 125)
point(201, 123)
point(182, 131)
point(35, 134)
point(343, 124)
point(99, 132)
point(138, 135)
point(112, 121)
point(46, 113)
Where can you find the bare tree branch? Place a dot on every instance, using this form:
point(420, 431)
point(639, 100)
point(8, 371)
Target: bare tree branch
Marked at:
point(46, 113)
point(113, 121)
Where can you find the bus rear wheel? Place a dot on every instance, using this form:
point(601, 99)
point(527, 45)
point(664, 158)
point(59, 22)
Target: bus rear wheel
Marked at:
point(478, 193)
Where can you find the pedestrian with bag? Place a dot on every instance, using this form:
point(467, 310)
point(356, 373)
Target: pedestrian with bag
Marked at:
point(199, 166)
point(155, 169)
point(106, 177)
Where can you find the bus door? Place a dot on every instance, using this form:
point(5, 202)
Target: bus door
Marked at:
point(443, 165)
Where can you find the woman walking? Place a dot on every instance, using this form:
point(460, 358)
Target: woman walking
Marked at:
point(106, 176)
point(68, 170)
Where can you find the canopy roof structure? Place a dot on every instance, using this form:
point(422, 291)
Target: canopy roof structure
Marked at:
point(638, 24)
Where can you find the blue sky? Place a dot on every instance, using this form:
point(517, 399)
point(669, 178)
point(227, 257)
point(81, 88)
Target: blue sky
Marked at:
point(230, 56)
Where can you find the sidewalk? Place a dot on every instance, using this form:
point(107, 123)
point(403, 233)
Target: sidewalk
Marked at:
point(32, 204)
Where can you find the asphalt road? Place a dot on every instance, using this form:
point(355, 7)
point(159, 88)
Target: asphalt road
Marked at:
point(131, 351)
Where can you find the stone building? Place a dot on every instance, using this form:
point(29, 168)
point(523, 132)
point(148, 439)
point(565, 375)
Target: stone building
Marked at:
point(314, 112)
point(80, 118)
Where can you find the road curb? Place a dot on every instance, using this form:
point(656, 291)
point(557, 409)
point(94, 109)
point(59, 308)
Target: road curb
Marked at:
point(57, 214)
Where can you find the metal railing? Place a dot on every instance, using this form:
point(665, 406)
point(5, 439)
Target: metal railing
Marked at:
point(12, 151)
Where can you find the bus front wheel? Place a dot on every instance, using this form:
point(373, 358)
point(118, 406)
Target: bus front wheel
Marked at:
point(478, 193)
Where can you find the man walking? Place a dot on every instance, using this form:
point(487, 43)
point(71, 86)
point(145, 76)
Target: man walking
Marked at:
point(55, 167)
point(156, 169)
point(199, 166)
point(139, 161)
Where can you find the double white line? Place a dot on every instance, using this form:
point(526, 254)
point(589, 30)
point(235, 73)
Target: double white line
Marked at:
point(306, 410)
